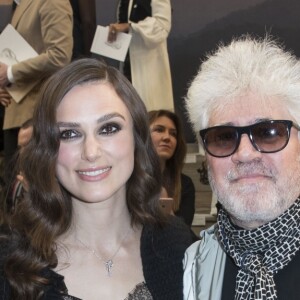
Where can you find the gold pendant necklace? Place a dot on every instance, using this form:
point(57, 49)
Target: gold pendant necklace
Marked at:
point(107, 263)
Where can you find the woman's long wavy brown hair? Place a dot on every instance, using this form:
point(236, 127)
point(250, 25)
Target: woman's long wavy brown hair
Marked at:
point(46, 212)
point(174, 165)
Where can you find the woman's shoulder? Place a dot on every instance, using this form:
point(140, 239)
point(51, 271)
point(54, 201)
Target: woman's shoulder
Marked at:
point(162, 252)
point(175, 225)
point(186, 180)
point(174, 233)
point(187, 184)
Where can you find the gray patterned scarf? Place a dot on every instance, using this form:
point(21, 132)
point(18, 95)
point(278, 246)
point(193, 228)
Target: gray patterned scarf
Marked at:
point(261, 252)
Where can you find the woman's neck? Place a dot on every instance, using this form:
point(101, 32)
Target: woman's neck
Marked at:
point(162, 165)
point(97, 221)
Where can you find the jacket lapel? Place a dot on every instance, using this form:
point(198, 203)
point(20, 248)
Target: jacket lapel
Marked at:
point(25, 4)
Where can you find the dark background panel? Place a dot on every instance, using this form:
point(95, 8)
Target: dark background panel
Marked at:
point(198, 26)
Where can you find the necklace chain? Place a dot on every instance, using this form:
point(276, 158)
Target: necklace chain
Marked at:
point(109, 262)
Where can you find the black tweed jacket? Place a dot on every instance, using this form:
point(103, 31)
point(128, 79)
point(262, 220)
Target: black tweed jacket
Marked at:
point(162, 251)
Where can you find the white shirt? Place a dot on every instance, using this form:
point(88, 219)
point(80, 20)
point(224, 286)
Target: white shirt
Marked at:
point(10, 75)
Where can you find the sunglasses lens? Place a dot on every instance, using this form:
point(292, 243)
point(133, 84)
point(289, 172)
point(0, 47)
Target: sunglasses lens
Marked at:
point(270, 137)
point(221, 141)
point(266, 137)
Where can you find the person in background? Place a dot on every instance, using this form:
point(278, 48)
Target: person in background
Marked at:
point(147, 64)
point(5, 17)
point(90, 226)
point(167, 136)
point(47, 28)
point(17, 185)
point(84, 27)
point(245, 105)
point(25, 134)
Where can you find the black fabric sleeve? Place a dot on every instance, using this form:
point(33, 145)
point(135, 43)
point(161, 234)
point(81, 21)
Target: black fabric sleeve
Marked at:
point(186, 209)
point(162, 252)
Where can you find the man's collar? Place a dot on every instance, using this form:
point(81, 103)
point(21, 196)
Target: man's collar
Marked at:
point(17, 2)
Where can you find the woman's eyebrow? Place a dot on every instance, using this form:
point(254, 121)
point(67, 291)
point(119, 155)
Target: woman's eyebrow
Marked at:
point(100, 120)
point(110, 116)
point(68, 124)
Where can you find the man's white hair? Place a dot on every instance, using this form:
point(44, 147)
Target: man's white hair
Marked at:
point(245, 65)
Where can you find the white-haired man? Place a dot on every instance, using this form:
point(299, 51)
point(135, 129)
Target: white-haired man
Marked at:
point(245, 105)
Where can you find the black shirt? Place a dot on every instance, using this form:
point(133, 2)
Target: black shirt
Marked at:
point(186, 209)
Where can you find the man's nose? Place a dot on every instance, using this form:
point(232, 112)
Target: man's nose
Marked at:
point(245, 151)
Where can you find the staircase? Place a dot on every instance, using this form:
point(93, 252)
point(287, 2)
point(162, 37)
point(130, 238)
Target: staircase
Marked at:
point(203, 217)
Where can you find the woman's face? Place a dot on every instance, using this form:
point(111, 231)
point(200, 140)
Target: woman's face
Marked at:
point(96, 153)
point(164, 137)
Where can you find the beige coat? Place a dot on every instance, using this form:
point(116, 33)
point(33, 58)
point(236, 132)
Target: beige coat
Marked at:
point(149, 59)
point(47, 27)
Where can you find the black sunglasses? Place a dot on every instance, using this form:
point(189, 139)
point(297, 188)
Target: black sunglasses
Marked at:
point(266, 137)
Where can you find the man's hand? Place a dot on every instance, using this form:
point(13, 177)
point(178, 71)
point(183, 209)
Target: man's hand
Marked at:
point(3, 75)
point(5, 98)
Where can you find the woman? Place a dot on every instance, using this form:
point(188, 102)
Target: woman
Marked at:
point(147, 65)
point(17, 185)
point(168, 140)
point(90, 226)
